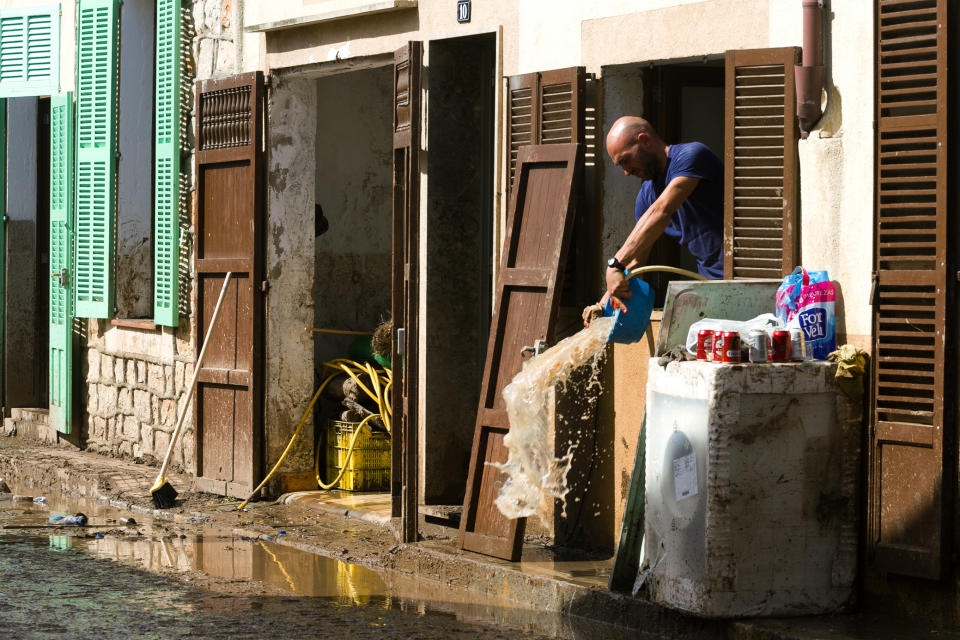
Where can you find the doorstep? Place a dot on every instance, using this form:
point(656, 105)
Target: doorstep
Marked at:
point(351, 528)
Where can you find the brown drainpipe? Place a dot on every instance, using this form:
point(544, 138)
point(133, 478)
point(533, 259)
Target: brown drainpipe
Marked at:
point(809, 75)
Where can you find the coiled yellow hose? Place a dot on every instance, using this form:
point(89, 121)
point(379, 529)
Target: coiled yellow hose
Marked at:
point(380, 394)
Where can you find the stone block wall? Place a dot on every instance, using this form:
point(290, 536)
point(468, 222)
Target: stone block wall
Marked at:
point(136, 380)
point(215, 44)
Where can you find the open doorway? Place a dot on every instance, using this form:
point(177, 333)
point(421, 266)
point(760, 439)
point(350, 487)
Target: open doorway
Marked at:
point(353, 229)
point(459, 209)
point(353, 226)
point(26, 339)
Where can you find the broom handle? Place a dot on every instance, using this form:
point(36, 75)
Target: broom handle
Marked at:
point(193, 378)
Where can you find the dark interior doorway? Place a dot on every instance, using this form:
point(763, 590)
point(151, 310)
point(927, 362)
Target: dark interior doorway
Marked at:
point(459, 238)
point(27, 254)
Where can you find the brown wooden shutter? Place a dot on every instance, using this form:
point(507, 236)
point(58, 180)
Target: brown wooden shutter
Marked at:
point(526, 310)
point(228, 405)
point(906, 527)
point(549, 107)
point(406, 210)
point(546, 107)
point(760, 164)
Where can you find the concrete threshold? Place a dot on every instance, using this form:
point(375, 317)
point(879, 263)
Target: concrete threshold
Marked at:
point(364, 540)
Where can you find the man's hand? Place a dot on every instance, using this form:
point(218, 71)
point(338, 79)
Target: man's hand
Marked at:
point(591, 313)
point(617, 285)
point(595, 311)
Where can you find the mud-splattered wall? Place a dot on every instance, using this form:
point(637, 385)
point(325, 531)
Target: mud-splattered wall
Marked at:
point(290, 268)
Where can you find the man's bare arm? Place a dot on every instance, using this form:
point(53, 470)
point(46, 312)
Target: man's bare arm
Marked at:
point(654, 221)
point(649, 227)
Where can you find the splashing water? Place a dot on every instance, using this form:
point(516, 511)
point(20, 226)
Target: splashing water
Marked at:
point(535, 478)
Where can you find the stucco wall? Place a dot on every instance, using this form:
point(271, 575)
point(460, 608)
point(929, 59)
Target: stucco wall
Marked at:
point(836, 161)
point(534, 37)
point(291, 173)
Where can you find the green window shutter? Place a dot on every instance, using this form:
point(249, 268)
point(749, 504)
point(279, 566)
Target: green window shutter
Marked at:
point(29, 51)
point(96, 157)
point(61, 220)
point(166, 187)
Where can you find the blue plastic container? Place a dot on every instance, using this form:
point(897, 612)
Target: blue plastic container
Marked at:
point(630, 327)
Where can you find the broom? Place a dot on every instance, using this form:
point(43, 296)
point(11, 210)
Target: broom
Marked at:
point(163, 494)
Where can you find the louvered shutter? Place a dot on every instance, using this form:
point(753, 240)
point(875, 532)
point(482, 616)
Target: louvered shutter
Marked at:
point(545, 108)
point(61, 302)
point(96, 157)
point(760, 164)
point(166, 187)
point(906, 526)
point(29, 51)
point(548, 107)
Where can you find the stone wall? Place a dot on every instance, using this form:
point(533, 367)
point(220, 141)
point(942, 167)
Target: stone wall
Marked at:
point(135, 387)
point(215, 45)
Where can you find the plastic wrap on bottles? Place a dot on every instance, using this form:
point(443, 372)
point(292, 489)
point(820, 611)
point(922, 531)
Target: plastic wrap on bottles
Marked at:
point(765, 322)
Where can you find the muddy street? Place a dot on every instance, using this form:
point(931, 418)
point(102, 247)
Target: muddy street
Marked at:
point(146, 579)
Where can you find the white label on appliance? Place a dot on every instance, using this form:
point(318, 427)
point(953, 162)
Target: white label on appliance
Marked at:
point(685, 476)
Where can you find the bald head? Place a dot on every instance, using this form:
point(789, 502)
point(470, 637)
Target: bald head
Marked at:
point(624, 131)
point(635, 147)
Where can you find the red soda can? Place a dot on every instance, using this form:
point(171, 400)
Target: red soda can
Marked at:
point(705, 344)
point(781, 346)
point(718, 346)
point(731, 346)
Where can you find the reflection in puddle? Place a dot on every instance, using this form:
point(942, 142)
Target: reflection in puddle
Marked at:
point(301, 573)
point(159, 547)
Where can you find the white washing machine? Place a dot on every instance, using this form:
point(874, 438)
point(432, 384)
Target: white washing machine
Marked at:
point(751, 489)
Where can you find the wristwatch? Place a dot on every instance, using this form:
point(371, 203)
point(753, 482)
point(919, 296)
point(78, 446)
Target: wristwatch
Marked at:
point(613, 263)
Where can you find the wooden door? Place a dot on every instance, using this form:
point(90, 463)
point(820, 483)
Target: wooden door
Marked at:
point(61, 251)
point(406, 221)
point(910, 417)
point(534, 256)
point(761, 186)
point(228, 405)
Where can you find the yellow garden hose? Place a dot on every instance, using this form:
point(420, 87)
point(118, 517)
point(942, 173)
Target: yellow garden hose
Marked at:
point(343, 467)
point(380, 395)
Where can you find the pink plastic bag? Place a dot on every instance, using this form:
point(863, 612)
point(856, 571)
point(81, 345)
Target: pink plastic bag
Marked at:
point(807, 300)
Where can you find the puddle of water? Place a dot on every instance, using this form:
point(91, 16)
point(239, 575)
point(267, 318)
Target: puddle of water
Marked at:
point(159, 547)
point(536, 478)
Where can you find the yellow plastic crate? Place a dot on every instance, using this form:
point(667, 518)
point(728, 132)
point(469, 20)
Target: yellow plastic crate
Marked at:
point(368, 469)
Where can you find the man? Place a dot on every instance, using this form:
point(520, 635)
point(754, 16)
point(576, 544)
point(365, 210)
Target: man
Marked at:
point(681, 196)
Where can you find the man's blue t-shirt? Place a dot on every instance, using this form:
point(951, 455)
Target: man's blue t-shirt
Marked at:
point(698, 223)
